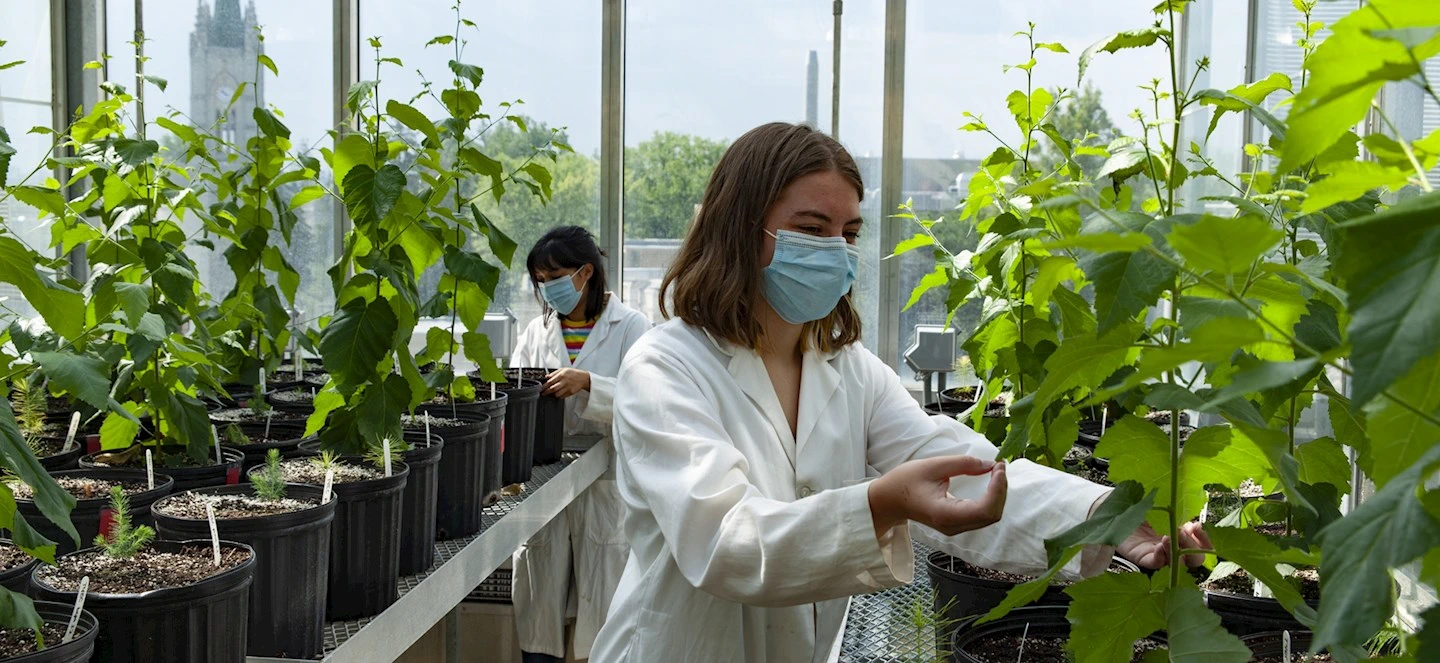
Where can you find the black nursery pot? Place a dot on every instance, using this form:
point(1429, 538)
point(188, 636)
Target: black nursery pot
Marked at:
point(460, 478)
point(1272, 643)
point(186, 478)
point(1035, 622)
point(549, 417)
point(282, 400)
point(365, 545)
point(287, 436)
point(65, 460)
point(491, 411)
point(200, 623)
point(1246, 615)
point(417, 522)
point(17, 579)
point(90, 516)
point(78, 650)
point(287, 598)
point(518, 440)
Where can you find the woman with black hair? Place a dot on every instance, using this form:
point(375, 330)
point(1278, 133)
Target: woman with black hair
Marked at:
point(583, 334)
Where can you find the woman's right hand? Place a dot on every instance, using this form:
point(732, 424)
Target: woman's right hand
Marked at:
point(919, 490)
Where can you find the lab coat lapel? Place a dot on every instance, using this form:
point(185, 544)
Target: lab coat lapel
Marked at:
point(818, 384)
point(597, 335)
point(749, 372)
point(558, 356)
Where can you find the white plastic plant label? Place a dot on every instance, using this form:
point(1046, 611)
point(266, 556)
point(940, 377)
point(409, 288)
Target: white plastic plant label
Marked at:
point(261, 371)
point(427, 430)
point(268, 415)
point(386, 452)
point(74, 428)
point(1285, 646)
point(329, 485)
point(1104, 416)
point(149, 469)
point(214, 531)
point(215, 435)
point(75, 613)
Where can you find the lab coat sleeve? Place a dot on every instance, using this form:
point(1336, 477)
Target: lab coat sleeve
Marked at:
point(528, 348)
point(1042, 502)
point(601, 404)
point(727, 539)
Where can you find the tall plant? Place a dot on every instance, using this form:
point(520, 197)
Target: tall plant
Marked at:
point(1302, 288)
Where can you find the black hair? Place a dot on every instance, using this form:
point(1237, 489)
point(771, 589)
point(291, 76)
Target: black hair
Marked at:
point(570, 247)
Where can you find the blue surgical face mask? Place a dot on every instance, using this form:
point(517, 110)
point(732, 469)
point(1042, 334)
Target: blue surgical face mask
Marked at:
point(808, 275)
point(561, 294)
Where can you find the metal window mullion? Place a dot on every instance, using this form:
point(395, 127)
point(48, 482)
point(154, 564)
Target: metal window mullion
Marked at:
point(346, 16)
point(892, 162)
point(77, 36)
point(612, 139)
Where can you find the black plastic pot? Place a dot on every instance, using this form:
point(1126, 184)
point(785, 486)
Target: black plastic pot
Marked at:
point(365, 545)
point(460, 491)
point(186, 478)
point(290, 433)
point(958, 595)
point(1272, 643)
point(1036, 622)
point(287, 597)
point(517, 445)
point(417, 522)
point(200, 623)
point(491, 411)
point(87, 439)
point(17, 579)
point(91, 516)
point(1245, 615)
point(1090, 432)
point(64, 460)
point(78, 650)
point(277, 400)
point(549, 416)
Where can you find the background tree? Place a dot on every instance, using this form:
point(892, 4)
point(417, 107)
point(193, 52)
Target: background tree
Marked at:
point(665, 178)
point(1080, 115)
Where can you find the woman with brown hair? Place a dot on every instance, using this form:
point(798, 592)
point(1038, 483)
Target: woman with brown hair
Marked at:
point(746, 427)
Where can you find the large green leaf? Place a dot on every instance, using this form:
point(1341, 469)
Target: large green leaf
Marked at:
point(22, 534)
point(1259, 557)
point(326, 401)
point(1193, 633)
point(1399, 436)
point(356, 339)
point(1266, 375)
point(1083, 363)
point(1109, 612)
point(500, 244)
point(935, 279)
point(1123, 40)
point(1392, 263)
point(1350, 180)
point(1244, 98)
point(1387, 530)
point(54, 503)
point(408, 116)
point(190, 423)
point(17, 612)
point(1140, 451)
point(85, 378)
point(1227, 246)
point(61, 308)
point(135, 152)
point(270, 124)
point(468, 72)
point(468, 266)
point(380, 407)
point(352, 150)
point(1283, 466)
point(477, 349)
point(369, 195)
point(1127, 282)
point(1323, 460)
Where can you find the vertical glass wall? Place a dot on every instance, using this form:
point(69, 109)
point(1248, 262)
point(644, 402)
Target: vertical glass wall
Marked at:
point(25, 102)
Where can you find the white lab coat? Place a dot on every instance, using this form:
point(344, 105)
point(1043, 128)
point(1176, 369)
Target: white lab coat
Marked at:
point(588, 532)
point(745, 543)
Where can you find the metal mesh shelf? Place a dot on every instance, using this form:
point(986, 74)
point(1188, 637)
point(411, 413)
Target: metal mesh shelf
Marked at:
point(881, 627)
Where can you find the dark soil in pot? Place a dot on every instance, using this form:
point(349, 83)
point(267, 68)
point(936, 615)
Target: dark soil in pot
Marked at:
point(492, 412)
point(364, 537)
point(1090, 432)
point(291, 539)
point(1270, 648)
point(19, 646)
point(549, 416)
point(1032, 635)
point(417, 522)
point(1242, 613)
point(238, 415)
point(87, 437)
point(993, 410)
point(49, 450)
point(1082, 463)
point(91, 515)
point(15, 568)
point(174, 461)
point(965, 395)
point(963, 589)
point(517, 444)
point(168, 603)
point(257, 439)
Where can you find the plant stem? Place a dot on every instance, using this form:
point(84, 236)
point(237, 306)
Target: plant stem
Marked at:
point(1178, 101)
point(1294, 405)
point(455, 293)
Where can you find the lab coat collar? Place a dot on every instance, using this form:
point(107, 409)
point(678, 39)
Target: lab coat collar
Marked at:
point(607, 319)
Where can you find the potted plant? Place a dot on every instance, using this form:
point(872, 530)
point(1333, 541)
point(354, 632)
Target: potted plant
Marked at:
point(517, 440)
point(44, 430)
point(255, 440)
point(462, 481)
point(15, 567)
point(93, 512)
point(137, 583)
point(1039, 634)
point(365, 535)
point(549, 416)
point(288, 527)
point(45, 643)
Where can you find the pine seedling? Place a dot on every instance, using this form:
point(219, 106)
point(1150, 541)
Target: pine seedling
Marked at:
point(126, 538)
point(376, 455)
point(269, 483)
point(324, 461)
point(30, 407)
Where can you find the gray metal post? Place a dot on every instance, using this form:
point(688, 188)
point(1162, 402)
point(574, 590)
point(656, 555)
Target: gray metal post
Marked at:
point(452, 636)
point(839, 9)
point(346, 16)
point(77, 36)
point(612, 139)
point(892, 179)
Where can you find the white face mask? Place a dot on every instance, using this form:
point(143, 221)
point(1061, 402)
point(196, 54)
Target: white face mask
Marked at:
point(808, 275)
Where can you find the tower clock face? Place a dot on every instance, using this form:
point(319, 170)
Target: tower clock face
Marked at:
point(223, 92)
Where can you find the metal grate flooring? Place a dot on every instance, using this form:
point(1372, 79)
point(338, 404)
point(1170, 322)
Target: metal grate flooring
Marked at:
point(336, 633)
point(882, 626)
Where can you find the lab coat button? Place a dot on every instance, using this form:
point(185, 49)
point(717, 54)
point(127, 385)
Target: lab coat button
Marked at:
point(806, 491)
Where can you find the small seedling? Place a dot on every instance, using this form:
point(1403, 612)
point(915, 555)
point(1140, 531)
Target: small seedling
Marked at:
point(234, 436)
point(29, 408)
point(376, 456)
point(126, 538)
point(269, 483)
point(325, 461)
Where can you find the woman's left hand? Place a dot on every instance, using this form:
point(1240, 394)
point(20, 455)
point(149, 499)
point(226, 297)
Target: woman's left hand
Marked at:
point(1150, 550)
point(566, 382)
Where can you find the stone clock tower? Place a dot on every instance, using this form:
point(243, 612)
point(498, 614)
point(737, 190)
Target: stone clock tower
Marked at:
point(223, 49)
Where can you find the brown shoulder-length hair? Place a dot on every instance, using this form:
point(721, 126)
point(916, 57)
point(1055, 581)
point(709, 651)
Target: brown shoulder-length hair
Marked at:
point(714, 282)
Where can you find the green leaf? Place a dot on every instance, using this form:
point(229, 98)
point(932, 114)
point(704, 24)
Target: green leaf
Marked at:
point(1389, 529)
point(181, 131)
point(1140, 451)
point(1392, 263)
point(1247, 98)
point(482, 164)
point(135, 152)
point(460, 103)
point(11, 64)
point(541, 175)
point(1350, 180)
point(352, 150)
point(85, 378)
point(1193, 633)
point(919, 240)
point(468, 266)
point(306, 195)
point(1227, 246)
point(54, 503)
point(1127, 283)
point(356, 339)
point(1052, 47)
point(325, 402)
point(45, 200)
point(1398, 435)
point(378, 413)
point(477, 349)
point(441, 40)
point(467, 72)
point(1101, 242)
point(1283, 466)
point(239, 90)
point(134, 298)
point(370, 195)
point(117, 431)
point(1109, 612)
point(1322, 460)
point(17, 612)
point(1259, 557)
point(1123, 40)
point(269, 64)
point(270, 124)
point(935, 279)
point(1081, 363)
point(414, 119)
point(1124, 164)
point(62, 309)
point(358, 93)
point(190, 422)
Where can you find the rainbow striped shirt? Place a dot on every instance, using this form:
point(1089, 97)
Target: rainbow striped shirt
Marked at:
point(575, 334)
